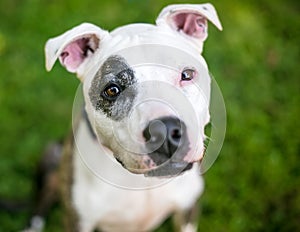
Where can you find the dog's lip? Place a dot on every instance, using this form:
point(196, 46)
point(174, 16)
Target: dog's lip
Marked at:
point(169, 169)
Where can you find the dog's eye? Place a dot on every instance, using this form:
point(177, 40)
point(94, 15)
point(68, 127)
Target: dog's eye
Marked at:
point(111, 92)
point(188, 74)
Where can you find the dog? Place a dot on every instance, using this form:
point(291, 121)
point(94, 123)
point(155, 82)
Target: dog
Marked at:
point(134, 157)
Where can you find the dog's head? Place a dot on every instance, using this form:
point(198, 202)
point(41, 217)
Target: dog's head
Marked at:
point(146, 87)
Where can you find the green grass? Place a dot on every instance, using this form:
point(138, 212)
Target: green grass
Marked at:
point(254, 184)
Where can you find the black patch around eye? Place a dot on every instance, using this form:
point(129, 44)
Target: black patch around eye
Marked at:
point(113, 89)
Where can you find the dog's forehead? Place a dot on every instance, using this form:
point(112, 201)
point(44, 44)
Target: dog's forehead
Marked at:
point(133, 35)
point(143, 43)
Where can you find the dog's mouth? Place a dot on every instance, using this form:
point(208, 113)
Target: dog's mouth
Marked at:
point(169, 169)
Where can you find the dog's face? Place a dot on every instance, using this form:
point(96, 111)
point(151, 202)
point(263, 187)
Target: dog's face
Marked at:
point(150, 115)
point(146, 87)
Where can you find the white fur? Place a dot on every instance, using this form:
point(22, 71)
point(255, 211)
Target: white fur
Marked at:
point(118, 209)
point(189, 228)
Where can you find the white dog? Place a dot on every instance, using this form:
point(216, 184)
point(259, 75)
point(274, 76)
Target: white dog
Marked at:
point(135, 157)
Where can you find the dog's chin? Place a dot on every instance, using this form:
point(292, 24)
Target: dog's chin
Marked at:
point(169, 169)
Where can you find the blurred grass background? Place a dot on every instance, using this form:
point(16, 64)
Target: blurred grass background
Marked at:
point(254, 184)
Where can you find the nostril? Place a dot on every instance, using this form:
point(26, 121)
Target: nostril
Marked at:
point(174, 138)
point(176, 134)
point(155, 132)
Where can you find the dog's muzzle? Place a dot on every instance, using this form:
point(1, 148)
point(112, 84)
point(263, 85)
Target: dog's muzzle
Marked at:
point(167, 144)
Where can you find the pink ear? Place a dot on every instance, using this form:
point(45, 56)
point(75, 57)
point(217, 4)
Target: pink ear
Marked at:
point(74, 54)
point(192, 24)
point(190, 20)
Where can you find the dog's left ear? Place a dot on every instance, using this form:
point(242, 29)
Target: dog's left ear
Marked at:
point(190, 20)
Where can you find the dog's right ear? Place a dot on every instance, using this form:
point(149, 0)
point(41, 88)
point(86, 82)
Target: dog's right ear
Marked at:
point(75, 47)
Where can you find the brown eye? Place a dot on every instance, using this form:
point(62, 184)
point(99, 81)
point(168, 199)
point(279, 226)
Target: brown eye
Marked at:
point(111, 92)
point(188, 74)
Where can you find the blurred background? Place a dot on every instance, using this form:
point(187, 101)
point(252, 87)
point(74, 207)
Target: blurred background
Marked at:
point(255, 183)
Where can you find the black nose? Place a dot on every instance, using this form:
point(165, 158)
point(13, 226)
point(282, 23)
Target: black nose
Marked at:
point(164, 137)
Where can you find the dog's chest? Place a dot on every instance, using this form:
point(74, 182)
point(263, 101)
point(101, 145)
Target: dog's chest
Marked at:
point(133, 211)
point(113, 209)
